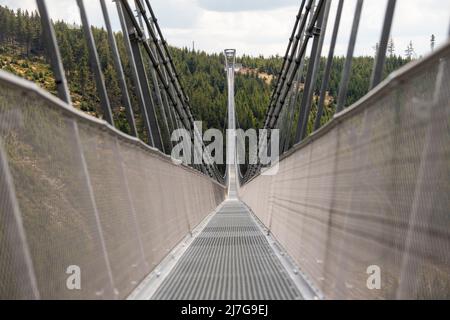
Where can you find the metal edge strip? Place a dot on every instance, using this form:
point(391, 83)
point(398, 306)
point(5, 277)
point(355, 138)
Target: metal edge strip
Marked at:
point(151, 283)
point(304, 284)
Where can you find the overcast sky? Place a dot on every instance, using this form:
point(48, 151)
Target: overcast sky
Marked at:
point(263, 26)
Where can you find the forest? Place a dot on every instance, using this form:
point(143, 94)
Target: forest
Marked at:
point(22, 52)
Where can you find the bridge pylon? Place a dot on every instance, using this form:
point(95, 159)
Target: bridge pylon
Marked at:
point(230, 64)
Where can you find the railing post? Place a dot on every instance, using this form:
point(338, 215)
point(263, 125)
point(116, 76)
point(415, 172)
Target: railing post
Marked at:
point(348, 61)
point(273, 112)
point(292, 103)
point(65, 96)
point(183, 109)
point(168, 62)
point(119, 71)
point(293, 98)
point(327, 73)
point(279, 106)
point(174, 78)
point(151, 112)
point(378, 68)
point(134, 73)
point(166, 112)
point(316, 52)
point(55, 55)
point(298, 61)
point(279, 89)
point(170, 108)
point(287, 57)
point(156, 88)
point(95, 65)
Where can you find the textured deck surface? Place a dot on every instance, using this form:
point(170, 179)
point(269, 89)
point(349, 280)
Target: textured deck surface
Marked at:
point(230, 260)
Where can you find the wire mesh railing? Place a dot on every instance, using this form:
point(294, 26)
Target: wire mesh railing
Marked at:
point(300, 99)
point(163, 103)
point(77, 194)
point(368, 194)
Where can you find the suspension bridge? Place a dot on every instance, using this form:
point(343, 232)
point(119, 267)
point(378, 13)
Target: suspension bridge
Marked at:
point(365, 194)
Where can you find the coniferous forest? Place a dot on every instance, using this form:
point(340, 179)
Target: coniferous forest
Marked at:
point(22, 52)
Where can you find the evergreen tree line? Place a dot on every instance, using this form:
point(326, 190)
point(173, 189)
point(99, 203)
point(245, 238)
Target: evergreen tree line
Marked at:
point(21, 31)
point(202, 74)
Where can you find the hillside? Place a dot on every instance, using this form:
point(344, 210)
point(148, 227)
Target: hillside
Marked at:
point(267, 78)
point(22, 53)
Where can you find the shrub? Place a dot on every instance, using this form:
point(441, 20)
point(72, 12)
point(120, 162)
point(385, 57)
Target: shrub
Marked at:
point(84, 107)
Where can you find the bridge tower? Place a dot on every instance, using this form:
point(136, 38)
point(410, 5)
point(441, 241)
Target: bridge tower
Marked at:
point(230, 67)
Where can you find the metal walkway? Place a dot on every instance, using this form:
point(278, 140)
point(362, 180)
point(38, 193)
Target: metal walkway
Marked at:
point(230, 260)
point(355, 208)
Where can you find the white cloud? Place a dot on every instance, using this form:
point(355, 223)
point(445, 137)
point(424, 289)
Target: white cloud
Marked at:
point(264, 26)
point(244, 5)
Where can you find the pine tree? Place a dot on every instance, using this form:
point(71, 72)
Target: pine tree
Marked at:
point(20, 27)
point(10, 26)
point(409, 52)
point(28, 32)
point(391, 47)
point(2, 25)
point(201, 73)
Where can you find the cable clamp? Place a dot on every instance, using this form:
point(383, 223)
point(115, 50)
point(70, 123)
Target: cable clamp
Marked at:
point(316, 31)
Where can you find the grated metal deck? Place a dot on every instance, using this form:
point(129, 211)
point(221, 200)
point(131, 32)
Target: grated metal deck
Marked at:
point(231, 259)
